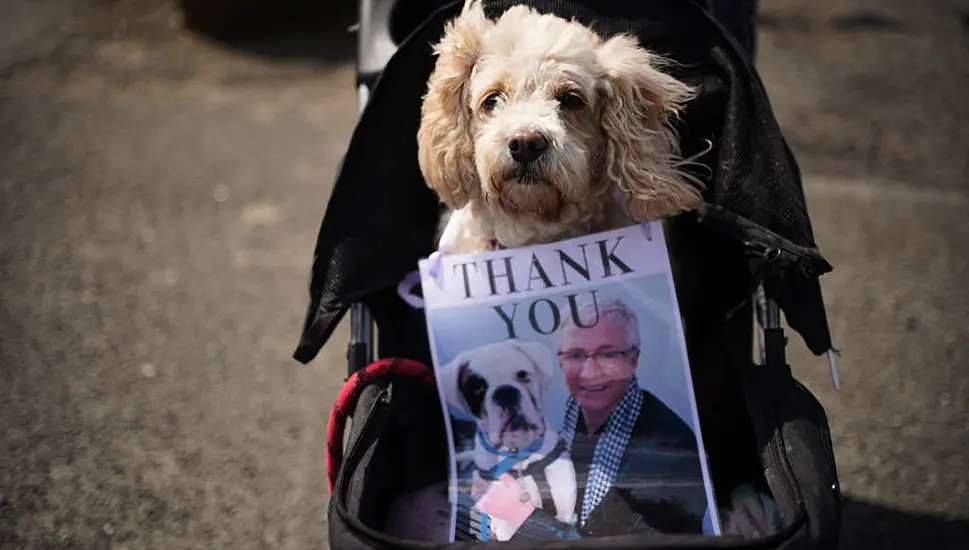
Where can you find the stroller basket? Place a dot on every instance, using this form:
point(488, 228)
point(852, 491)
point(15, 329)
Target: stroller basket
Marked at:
point(749, 254)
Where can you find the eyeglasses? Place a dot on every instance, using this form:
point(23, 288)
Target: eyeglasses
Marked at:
point(607, 358)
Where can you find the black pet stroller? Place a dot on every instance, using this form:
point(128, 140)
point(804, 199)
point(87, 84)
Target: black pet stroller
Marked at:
point(745, 257)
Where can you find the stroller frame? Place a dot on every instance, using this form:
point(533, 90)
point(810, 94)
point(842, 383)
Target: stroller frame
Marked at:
point(375, 47)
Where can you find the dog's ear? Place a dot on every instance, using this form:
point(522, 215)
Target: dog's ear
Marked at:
point(444, 139)
point(449, 380)
point(544, 361)
point(640, 105)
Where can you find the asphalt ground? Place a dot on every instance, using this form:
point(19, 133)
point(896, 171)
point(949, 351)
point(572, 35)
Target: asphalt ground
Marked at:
point(160, 194)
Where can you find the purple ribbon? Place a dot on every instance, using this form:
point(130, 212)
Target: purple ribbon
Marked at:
point(413, 279)
point(405, 287)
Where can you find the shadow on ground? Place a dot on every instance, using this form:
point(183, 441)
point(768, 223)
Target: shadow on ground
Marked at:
point(287, 31)
point(299, 29)
point(868, 525)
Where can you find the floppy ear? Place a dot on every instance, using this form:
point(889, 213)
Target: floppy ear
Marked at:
point(544, 361)
point(444, 140)
point(449, 378)
point(642, 152)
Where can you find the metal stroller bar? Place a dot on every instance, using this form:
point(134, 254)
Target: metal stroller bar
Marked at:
point(374, 49)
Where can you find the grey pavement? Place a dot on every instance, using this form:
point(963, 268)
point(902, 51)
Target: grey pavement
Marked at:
point(160, 195)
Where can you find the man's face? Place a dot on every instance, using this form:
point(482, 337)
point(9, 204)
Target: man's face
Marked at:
point(598, 364)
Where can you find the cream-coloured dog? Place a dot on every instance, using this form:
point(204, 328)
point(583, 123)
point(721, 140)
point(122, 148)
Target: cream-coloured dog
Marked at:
point(534, 129)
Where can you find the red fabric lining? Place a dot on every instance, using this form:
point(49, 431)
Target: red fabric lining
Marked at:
point(346, 400)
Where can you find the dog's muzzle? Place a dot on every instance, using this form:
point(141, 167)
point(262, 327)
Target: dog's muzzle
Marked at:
point(513, 419)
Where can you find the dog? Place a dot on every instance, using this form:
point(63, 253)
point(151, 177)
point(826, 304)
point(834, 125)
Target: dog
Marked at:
point(501, 386)
point(534, 129)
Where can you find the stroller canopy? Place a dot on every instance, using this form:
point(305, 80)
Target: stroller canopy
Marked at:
point(382, 218)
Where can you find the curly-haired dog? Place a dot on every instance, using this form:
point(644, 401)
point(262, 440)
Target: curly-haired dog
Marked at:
point(534, 129)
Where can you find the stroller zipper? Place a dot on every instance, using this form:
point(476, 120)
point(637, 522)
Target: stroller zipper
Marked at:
point(382, 399)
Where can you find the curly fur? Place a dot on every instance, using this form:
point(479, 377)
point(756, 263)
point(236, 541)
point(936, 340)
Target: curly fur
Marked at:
point(605, 108)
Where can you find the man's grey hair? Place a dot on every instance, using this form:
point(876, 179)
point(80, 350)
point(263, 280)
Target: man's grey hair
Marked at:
point(591, 310)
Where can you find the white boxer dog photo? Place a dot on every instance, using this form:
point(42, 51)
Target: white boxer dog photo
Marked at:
point(501, 386)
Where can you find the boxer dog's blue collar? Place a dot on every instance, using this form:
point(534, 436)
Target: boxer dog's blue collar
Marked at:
point(518, 453)
point(511, 458)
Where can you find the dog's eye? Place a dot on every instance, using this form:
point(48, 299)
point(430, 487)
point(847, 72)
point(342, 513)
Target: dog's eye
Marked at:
point(490, 101)
point(522, 375)
point(570, 100)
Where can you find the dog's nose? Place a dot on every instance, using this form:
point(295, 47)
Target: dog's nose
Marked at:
point(527, 146)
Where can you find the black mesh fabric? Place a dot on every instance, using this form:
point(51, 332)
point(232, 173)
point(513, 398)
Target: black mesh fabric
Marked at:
point(381, 217)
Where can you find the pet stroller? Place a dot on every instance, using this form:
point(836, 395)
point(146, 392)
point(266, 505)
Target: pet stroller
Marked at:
point(747, 256)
